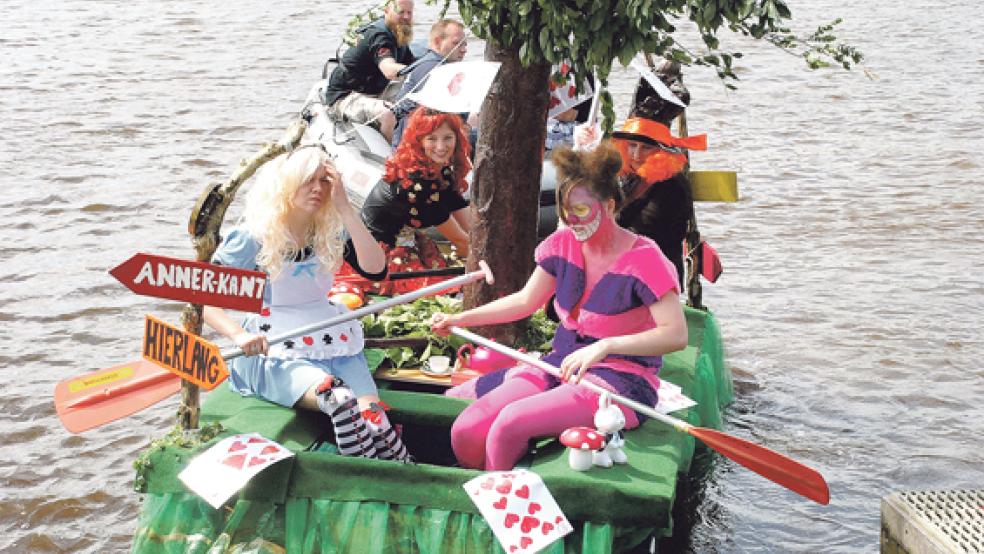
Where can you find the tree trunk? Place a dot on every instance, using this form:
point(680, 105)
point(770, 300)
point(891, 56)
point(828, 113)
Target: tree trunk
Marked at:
point(506, 185)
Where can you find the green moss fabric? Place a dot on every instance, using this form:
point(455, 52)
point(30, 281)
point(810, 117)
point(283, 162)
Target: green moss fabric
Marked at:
point(322, 502)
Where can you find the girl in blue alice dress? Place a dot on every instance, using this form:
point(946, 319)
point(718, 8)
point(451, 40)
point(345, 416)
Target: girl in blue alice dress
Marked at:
point(298, 227)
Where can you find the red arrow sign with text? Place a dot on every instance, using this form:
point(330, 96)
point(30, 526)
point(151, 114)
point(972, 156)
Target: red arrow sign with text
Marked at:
point(188, 356)
point(192, 281)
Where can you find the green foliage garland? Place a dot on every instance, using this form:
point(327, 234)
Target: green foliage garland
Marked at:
point(590, 34)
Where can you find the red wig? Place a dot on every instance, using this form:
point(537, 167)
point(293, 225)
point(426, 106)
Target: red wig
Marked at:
point(410, 158)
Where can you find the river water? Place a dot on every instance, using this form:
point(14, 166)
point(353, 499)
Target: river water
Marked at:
point(851, 301)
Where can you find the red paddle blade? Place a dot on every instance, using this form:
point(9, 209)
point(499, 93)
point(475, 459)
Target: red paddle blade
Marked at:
point(105, 395)
point(772, 465)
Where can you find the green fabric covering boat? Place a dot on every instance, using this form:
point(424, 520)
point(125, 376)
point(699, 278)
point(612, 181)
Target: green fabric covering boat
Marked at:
point(319, 501)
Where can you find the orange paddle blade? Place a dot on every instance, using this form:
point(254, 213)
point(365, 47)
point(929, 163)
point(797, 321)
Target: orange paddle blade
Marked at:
point(767, 463)
point(98, 397)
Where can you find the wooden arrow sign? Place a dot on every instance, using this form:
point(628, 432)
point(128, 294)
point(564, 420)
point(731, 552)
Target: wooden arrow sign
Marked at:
point(188, 356)
point(192, 281)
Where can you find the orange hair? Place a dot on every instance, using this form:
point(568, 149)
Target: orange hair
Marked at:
point(410, 158)
point(659, 166)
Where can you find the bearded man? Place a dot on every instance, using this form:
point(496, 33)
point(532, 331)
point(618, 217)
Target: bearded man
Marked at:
point(365, 69)
point(445, 44)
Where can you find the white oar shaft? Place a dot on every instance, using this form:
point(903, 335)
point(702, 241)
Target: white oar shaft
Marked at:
point(483, 273)
point(595, 103)
point(536, 362)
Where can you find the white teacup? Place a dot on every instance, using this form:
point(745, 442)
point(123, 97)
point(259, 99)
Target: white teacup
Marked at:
point(439, 364)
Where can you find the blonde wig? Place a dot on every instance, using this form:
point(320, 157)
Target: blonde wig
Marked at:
point(270, 201)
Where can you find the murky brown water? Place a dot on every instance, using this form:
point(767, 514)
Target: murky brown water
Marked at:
point(851, 301)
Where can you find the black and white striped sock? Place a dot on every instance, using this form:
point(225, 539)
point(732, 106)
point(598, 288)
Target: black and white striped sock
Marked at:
point(388, 444)
point(352, 436)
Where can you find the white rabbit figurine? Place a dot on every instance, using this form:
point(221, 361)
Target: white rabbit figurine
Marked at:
point(609, 420)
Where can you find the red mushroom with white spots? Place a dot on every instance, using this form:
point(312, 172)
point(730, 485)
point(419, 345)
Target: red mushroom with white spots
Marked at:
point(347, 294)
point(582, 442)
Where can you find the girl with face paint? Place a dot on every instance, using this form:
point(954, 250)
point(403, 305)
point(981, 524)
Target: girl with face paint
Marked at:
point(618, 302)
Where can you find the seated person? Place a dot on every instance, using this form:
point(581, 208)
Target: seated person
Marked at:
point(560, 129)
point(365, 69)
point(658, 201)
point(446, 43)
point(423, 187)
point(619, 310)
point(294, 229)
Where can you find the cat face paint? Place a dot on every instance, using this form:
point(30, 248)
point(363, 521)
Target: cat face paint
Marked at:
point(582, 212)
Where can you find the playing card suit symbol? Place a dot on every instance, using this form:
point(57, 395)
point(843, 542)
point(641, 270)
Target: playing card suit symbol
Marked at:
point(255, 440)
point(504, 487)
point(511, 519)
point(534, 508)
point(523, 492)
point(501, 503)
point(564, 68)
point(344, 337)
point(273, 450)
point(513, 548)
point(525, 542)
point(265, 327)
point(454, 86)
point(487, 484)
point(236, 461)
point(547, 527)
point(529, 523)
point(308, 340)
point(326, 339)
point(559, 519)
point(553, 86)
point(265, 312)
point(571, 91)
point(554, 101)
point(236, 447)
point(257, 461)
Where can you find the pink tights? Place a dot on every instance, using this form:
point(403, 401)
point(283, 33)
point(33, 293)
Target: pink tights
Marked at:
point(494, 431)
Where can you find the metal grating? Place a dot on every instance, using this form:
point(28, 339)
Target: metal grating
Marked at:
point(955, 515)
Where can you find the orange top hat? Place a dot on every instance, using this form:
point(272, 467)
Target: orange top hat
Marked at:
point(655, 133)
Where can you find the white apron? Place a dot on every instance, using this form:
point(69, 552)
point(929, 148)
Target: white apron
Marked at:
point(298, 297)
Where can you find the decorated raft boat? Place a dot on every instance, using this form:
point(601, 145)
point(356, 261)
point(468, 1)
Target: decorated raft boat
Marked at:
point(319, 501)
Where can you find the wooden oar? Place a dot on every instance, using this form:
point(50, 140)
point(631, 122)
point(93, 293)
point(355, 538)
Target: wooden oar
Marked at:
point(105, 395)
point(99, 397)
point(777, 468)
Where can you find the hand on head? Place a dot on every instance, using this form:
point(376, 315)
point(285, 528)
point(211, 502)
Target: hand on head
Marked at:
point(339, 198)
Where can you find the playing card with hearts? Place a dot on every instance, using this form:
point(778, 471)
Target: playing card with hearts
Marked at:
point(671, 398)
point(226, 467)
point(520, 510)
point(564, 97)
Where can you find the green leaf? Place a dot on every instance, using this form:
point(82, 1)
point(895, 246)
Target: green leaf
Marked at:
point(374, 357)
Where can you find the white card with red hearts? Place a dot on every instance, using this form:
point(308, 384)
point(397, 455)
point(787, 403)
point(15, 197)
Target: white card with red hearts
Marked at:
point(671, 398)
point(519, 509)
point(226, 467)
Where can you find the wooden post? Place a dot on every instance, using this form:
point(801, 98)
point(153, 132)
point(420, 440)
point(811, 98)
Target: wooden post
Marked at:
point(691, 251)
point(203, 226)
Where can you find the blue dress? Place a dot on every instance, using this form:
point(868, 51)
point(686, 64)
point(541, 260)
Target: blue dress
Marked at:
point(297, 297)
